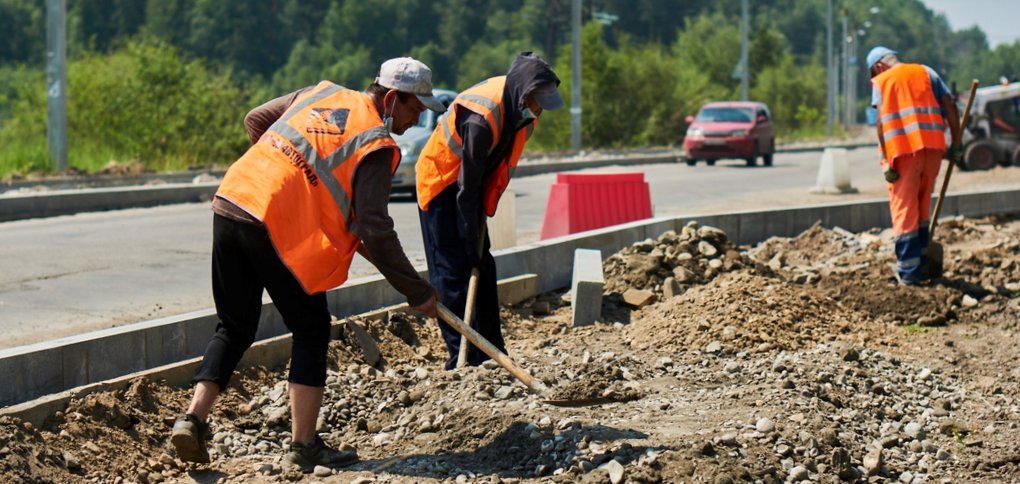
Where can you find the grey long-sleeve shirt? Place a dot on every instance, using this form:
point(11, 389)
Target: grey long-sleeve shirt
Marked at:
point(371, 186)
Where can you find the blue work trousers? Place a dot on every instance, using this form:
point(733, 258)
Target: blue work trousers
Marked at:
point(450, 263)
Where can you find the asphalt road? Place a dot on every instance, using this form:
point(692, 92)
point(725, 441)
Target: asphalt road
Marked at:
point(73, 274)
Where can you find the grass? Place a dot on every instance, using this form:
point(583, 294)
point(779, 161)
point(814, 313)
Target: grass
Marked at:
point(915, 328)
point(22, 160)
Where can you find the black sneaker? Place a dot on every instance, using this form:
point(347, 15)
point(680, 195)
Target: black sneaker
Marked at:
point(188, 437)
point(317, 453)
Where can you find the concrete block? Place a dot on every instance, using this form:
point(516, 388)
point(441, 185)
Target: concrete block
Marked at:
point(270, 322)
point(638, 298)
point(75, 363)
point(29, 375)
point(503, 226)
point(586, 287)
point(116, 355)
point(756, 226)
point(516, 289)
point(164, 344)
point(198, 330)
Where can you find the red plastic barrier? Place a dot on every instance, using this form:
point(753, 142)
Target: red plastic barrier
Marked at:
point(587, 201)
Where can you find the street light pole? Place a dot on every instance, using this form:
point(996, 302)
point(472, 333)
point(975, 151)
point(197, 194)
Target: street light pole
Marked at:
point(744, 68)
point(575, 78)
point(56, 82)
point(830, 87)
point(846, 71)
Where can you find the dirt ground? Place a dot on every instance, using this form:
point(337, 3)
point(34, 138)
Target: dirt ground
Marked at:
point(797, 360)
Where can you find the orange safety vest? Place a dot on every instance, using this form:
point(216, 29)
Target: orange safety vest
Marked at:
point(439, 162)
point(297, 179)
point(910, 116)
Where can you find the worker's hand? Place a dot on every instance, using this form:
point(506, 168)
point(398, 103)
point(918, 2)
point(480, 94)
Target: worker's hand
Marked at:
point(429, 307)
point(954, 153)
point(891, 175)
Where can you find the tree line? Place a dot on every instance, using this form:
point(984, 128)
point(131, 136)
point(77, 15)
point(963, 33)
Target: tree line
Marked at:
point(167, 82)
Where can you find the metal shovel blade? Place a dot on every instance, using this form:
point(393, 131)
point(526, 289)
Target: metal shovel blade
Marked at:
point(580, 402)
point(935, 260)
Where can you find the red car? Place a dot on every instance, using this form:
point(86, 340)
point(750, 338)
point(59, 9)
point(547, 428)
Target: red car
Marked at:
point(730, 129)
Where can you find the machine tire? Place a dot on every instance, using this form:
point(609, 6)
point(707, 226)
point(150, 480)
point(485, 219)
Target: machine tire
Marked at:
point(710, 162)
point(766, 159)
point(754, 157)
point(980, 155)
point(1016, 156)
point(690, 161)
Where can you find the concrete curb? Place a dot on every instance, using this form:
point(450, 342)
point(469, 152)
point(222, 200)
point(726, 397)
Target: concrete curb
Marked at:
point(67, 200)
point(76, 362)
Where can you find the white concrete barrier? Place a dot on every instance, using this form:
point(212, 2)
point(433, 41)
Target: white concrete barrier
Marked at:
point(586, 287)
point(834, 173)
point(503, 225)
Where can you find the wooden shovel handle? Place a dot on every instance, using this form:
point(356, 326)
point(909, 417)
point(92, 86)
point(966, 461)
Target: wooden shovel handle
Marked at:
point(469, 309)
point(481, 343)
point(949, 170)
point(469, 313)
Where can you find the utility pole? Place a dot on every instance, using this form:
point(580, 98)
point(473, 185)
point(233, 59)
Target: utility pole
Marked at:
point(830, 88)
point(575, 78)
point(744, 70)
point(56, 82)
point(846, 71)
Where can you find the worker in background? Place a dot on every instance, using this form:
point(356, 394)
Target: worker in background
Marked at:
point(288, 218)
point(462, 171)
point(914, 106)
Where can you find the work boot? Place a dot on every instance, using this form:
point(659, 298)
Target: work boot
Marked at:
point(188, 437)
point(317, 453)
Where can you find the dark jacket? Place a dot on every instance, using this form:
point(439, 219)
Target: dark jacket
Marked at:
point(527, 72)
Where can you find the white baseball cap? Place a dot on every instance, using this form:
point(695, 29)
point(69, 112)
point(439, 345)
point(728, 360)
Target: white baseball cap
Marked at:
point(405, 74)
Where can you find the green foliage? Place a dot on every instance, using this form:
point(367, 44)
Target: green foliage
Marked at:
point(20, 22)
point(141, 102)
point(657, 62)
point(991, 66)
point(711, 43)
point(795, 95)
point(638, 94)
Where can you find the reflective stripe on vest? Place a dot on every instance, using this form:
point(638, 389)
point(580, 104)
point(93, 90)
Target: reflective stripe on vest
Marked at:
point(910, 116)
point(440, 160)
point(324, 168)
point(298, 180)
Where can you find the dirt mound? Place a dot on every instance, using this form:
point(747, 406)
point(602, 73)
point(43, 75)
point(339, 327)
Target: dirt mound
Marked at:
point(799, 359)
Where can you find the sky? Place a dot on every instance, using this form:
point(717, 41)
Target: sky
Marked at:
point(999, 19)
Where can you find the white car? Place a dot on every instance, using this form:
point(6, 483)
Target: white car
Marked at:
point(412, 142)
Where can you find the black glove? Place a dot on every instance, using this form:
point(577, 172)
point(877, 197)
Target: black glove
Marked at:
point(891, 175)
point(954, 153)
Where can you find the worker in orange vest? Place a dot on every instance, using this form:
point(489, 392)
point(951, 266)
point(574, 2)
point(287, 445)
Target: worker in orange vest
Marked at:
point(288, 218)
point(462, 171)
point(914, 106)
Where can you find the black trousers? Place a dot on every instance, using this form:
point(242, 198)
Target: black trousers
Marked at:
point(449, 272)
point(244, 262)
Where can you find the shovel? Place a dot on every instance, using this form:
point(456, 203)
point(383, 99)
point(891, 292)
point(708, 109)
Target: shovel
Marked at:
point(472, 294)
point(533, 384)
point(935, 253)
